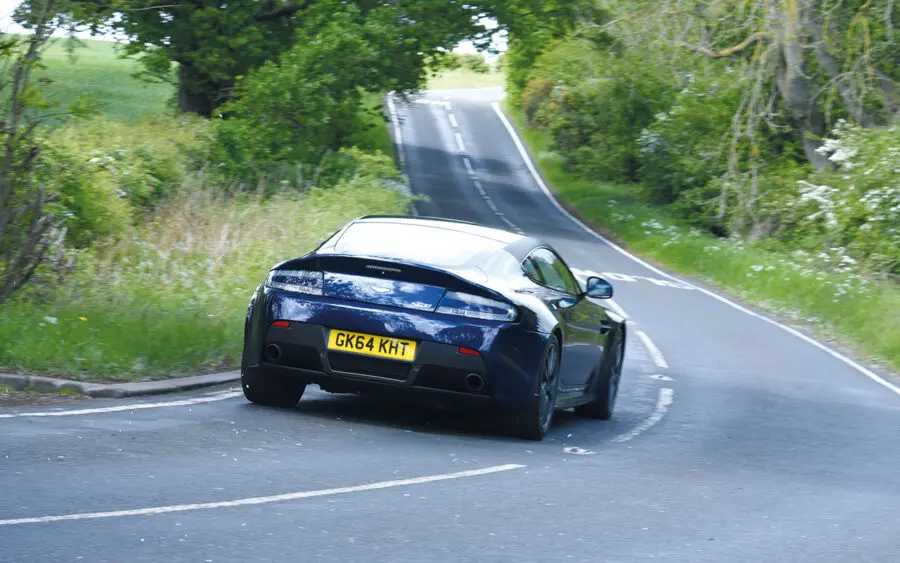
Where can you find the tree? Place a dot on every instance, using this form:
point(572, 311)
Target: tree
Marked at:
point(213, 44)
point(822, 57)
point(25, 222)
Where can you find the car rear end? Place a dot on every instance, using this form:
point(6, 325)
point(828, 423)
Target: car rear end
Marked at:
point(362, 324)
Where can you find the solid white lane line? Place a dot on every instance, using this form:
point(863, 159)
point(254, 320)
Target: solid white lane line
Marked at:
point(468, 164)
point(453, 120)
point(398, 134)
point(537, 178)
point(460, 143)
point(263, 500)
point(131, 407)
point(662, 407)
point(657, 356)
point(398, 139)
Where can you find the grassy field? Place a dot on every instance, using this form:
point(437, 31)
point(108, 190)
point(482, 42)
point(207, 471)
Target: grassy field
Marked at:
point(836, 306)
point(98, 72)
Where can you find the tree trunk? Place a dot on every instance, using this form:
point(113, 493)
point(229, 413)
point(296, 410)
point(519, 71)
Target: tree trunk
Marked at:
point(793, 84)
point(197, 93)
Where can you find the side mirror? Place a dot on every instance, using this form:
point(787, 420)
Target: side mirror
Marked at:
point(599, 288)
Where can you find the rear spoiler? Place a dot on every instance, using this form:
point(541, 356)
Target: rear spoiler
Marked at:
point(390, 269)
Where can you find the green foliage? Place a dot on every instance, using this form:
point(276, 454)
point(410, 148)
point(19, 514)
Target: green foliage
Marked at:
point(108, 173)
point(310, 100)
point(600, 100)
point(211, 46)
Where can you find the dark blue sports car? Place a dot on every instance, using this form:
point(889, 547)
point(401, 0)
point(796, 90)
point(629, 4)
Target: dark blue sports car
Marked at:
point(445, 310)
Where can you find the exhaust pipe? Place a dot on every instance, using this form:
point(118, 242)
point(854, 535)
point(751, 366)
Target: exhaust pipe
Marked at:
point(474, 382)
point(273, 352)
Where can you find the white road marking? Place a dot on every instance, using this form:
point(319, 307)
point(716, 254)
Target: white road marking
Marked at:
point(262, 500)
point(480, 188)
point(584, 275)
point(398, 139)
point(657, 356)
point(460, 143)
point(662, 407)
point(508, 222)
point(490, 204)
point(453, 122)
point(537, 177)
point(130, 407)
point(398, 134)
point(468, 164)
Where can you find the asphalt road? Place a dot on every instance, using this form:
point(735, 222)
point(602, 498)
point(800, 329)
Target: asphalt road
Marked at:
point(734, 440)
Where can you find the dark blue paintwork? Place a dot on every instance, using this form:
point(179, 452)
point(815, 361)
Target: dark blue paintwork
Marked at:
point(389, 275)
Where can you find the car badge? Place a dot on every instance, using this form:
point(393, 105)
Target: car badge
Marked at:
point(380, 289)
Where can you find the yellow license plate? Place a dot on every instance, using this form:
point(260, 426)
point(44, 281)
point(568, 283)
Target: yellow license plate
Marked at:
point(370, 345)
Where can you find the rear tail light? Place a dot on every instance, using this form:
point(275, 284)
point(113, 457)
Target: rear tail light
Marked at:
point(475, 307)
point(469, 351)
point(298, 281)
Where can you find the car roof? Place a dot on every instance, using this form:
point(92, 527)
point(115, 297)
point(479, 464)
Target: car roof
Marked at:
point(490, 233)
point(465, 245)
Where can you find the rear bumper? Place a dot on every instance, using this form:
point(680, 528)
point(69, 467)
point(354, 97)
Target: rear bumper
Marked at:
point(510, 353)
point(439, 371)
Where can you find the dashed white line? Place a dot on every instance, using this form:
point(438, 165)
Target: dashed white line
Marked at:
point(460, 143)
point(453, 122)
point(662, 407)
point(537, 178)
point(468, 165)
point(493, 207)
point(262, 500)
point(657, 356)
point(130, 407)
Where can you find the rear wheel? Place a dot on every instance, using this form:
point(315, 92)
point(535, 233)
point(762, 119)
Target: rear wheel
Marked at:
point(607, 385)
point(272, 390)
point(533, 421)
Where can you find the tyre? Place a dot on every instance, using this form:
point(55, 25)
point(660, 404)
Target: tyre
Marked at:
point(533, 421)
point(271, 390)
point(607, 385)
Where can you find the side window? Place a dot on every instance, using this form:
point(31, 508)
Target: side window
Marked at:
point(554, 271)
point(532, 271)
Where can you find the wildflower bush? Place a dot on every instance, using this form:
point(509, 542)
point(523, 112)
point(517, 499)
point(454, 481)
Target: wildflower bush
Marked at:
point(853, 215)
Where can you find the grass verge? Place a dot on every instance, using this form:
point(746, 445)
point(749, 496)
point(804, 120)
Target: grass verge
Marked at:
point(835, 305)
point(171, 298)
point(462, 79)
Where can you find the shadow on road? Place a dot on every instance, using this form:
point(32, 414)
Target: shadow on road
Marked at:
point(386, 412)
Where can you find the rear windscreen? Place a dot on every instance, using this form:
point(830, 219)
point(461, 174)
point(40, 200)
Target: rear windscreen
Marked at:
point(431, 246)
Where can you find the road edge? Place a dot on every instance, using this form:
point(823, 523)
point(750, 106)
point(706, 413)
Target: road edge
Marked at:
point(842, 351)
point(22, 382)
